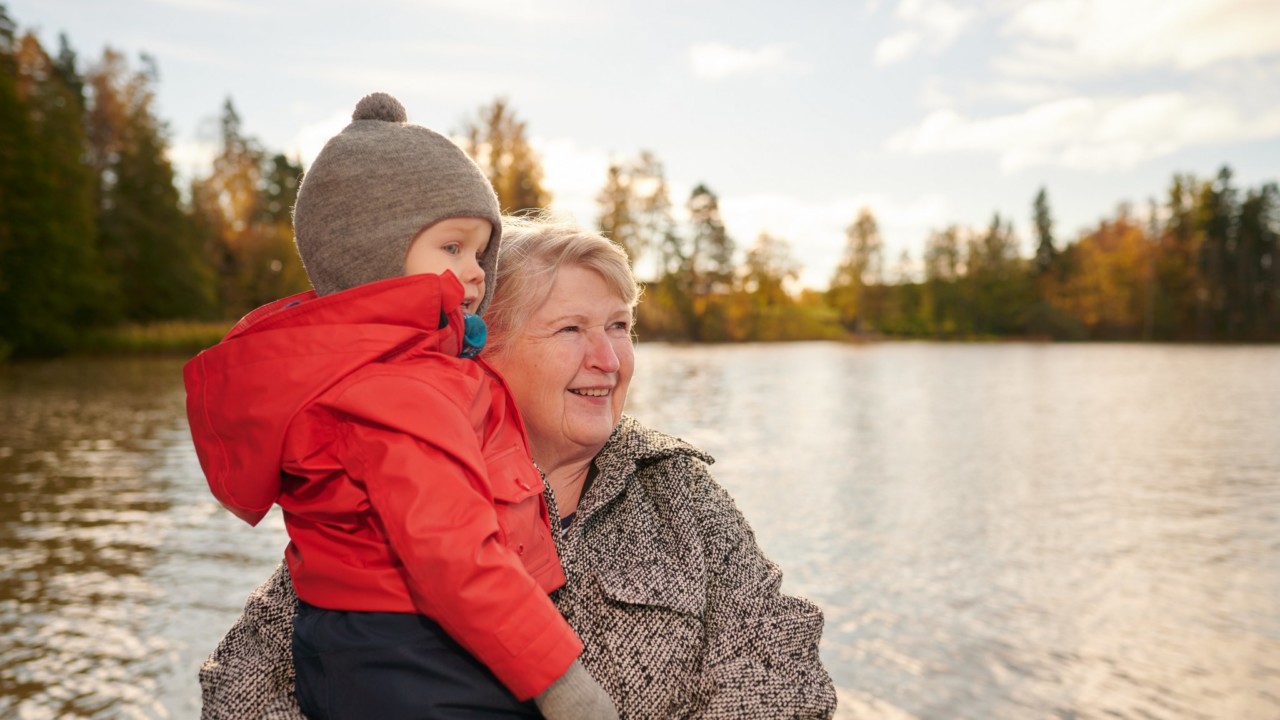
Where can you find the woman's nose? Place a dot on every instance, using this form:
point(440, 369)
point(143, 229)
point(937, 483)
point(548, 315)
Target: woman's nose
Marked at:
point(601, 354)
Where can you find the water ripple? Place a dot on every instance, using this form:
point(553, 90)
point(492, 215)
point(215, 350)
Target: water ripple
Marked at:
point(993, 531)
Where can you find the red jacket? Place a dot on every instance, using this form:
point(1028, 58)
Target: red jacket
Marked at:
point(403, 471)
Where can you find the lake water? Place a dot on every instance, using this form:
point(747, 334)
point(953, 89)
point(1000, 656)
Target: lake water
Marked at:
point(993, 531)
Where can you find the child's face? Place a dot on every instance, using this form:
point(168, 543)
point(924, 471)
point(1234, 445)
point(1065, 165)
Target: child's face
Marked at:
point(452, 244)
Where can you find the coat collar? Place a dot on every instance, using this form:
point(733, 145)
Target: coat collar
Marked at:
point(630, 447)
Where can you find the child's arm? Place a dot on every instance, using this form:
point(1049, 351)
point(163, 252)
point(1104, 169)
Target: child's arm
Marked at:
point(414, 446)
point(576, 696)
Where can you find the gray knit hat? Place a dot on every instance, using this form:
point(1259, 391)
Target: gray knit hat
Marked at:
point(374, 187)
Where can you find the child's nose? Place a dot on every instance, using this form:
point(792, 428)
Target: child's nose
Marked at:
point(472, 272)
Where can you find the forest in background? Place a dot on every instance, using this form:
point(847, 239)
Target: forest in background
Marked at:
point(96, 234)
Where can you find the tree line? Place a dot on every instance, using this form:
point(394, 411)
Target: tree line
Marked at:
point(1202, 266)
point(96, 232)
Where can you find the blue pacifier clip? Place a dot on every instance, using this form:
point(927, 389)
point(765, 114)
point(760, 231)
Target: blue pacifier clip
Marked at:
point(474, 335)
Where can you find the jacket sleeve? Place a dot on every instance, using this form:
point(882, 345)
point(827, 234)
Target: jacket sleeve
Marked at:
point(761, 655)
point(250, 674)
point(416, 449)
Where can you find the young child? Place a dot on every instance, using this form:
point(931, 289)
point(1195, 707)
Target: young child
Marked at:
point(420, 547)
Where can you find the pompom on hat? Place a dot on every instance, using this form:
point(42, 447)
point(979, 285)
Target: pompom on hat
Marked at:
point(374, 187)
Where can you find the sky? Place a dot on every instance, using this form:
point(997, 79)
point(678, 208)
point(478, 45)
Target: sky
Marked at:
point(796, 114)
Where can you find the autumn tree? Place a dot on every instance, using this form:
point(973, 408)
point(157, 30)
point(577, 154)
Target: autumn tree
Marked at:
point(496, 139)
point(241, 214)
point(1105, 289)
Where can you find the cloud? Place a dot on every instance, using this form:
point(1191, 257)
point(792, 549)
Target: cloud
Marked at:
point(574, 174)
point(933, 25)
point(896, 48)
point(225, 7)
point(1088, 133)
point(1065, 38)
point(307, 142)
point(516, 12)
point(716, 61)
point(414, 87)
point(191, 159)
point(1021, 91)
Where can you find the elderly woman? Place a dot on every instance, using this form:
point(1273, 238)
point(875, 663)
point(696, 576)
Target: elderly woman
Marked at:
point(679, 610)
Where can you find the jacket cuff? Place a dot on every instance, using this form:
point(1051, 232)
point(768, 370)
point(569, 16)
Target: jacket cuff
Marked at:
point(535, 647)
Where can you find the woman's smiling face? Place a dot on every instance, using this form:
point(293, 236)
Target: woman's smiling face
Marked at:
point(570, 366)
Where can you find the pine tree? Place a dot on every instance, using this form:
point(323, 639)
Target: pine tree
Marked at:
point(767, 270)
point(996, 283)
point(697, 265)
point(16, 211)
point(942, 304)
point(861, 265)
point(711, 248)
point(1045, 250)
point(1180, 289)
point(1218, 208)
point(51, 282)
point(616, 220)
point(280, 191)
point(635, 211)
point(146, 239)
point(1259, 243)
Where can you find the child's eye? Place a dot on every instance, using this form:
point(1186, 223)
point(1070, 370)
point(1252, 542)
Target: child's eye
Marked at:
point(453, 248)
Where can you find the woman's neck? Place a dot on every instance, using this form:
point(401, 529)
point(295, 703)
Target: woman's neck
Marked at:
point(566, 481)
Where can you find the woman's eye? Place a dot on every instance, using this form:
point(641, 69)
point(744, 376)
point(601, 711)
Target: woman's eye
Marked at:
point(569, 329)
point(622, 325)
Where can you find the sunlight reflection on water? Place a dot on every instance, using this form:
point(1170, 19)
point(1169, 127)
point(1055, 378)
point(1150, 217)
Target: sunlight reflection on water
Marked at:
point(1008, 531)
point(993, 531)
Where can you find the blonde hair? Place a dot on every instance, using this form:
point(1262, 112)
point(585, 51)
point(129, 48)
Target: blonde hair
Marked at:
point(534, 249)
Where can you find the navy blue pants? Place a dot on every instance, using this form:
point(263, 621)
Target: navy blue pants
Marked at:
point(391, 666)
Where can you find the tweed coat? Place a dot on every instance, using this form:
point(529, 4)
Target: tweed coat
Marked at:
point(678, 608)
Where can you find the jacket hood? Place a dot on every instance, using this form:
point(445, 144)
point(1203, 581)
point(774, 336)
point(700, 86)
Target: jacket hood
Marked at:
point(244, 392)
